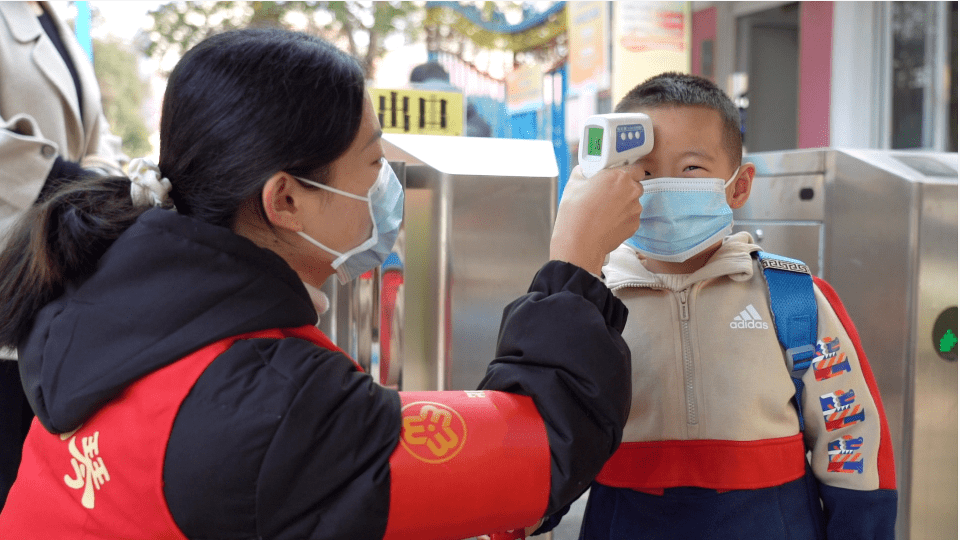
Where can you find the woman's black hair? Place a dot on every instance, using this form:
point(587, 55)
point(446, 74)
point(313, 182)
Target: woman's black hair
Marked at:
point(239, 107)
point(242, 105)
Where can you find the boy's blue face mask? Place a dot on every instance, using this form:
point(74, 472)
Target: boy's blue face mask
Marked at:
point(385, 201)
point(682, 217)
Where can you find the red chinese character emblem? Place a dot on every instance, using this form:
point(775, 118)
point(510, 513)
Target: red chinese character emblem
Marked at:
point(432, 432)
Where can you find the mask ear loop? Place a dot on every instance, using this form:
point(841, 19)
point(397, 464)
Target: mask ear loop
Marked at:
point(732, 178)
point(366, 244)
point(333, 189)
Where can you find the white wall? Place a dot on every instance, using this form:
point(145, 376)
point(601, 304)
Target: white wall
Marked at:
point(857, 67)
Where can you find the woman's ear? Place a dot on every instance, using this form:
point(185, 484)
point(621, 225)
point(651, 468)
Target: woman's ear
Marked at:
point(280, 197)
point(739, 190)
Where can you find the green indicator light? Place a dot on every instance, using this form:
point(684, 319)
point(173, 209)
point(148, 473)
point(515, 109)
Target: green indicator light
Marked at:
point(948, 341)
point(945, 335)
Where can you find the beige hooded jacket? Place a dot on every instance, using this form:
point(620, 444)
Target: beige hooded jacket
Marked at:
point(710, 379)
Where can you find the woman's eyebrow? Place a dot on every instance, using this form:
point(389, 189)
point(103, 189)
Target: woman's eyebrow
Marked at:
point(374, 138)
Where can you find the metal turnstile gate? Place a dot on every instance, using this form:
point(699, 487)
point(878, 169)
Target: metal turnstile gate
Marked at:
point(881, 227)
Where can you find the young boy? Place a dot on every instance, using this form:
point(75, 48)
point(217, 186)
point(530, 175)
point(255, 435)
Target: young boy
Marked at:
point(713, 447)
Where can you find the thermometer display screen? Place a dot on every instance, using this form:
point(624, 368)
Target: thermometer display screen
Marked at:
point(594, 141)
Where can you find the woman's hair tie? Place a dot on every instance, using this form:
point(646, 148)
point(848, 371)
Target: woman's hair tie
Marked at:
point(147, 187)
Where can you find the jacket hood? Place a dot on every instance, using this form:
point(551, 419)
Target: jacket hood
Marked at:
point(733, 259)
point(167, 287)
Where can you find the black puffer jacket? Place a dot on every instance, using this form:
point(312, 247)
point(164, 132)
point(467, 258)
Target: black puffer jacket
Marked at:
point(281, 438)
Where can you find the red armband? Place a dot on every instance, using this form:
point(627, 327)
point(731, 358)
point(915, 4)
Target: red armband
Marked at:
point(468, 463)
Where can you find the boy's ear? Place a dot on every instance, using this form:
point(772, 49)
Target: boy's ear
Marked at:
point(739, 190)
point(280, 196)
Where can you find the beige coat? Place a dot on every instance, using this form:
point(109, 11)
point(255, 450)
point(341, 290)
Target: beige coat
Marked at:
point(39, 114)
point(707, 364)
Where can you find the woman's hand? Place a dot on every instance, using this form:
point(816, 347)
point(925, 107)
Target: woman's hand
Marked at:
point(596, 215)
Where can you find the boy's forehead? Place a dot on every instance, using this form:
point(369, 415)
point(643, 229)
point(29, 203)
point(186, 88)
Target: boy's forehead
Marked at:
point(686, 128)
point(682, 131)
point(678, 109)
point(706, 122)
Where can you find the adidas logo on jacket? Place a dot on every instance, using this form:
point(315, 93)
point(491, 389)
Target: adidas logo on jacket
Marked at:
point(749, 318)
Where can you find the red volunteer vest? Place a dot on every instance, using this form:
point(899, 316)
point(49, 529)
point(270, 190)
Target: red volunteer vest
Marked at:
point(467, 463)
point(105, 480)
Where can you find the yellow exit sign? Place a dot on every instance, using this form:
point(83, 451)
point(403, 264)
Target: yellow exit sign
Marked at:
point(420, 112)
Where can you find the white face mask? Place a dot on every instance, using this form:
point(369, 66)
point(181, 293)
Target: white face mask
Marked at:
point(385, 202)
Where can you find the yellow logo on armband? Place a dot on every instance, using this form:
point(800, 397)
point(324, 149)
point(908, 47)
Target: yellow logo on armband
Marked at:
point(432, 432)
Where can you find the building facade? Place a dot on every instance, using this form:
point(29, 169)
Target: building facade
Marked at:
point(834, 74)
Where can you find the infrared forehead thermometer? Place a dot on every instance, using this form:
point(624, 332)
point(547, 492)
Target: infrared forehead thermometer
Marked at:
point(612, 140)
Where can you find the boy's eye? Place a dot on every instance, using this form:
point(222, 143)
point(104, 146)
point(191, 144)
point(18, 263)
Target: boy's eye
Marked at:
point(692, 167)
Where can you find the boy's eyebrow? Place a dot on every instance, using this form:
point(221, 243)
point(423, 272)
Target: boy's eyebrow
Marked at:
point(696, 153)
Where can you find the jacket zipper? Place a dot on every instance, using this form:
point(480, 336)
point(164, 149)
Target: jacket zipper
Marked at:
point(689, 370)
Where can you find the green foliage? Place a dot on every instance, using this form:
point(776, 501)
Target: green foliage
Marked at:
point(123, 94)
point(178, 26)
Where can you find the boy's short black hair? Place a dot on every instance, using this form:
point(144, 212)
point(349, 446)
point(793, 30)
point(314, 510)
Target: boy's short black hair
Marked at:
point(672, 89)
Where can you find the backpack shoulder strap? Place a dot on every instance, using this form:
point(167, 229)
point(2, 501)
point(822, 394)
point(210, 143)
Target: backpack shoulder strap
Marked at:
point(794, 308)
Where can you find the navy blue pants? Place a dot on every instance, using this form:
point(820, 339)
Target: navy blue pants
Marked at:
point(790, 511)
point(15, 418)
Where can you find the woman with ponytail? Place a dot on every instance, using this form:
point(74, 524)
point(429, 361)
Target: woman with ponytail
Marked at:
point(168, 344)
